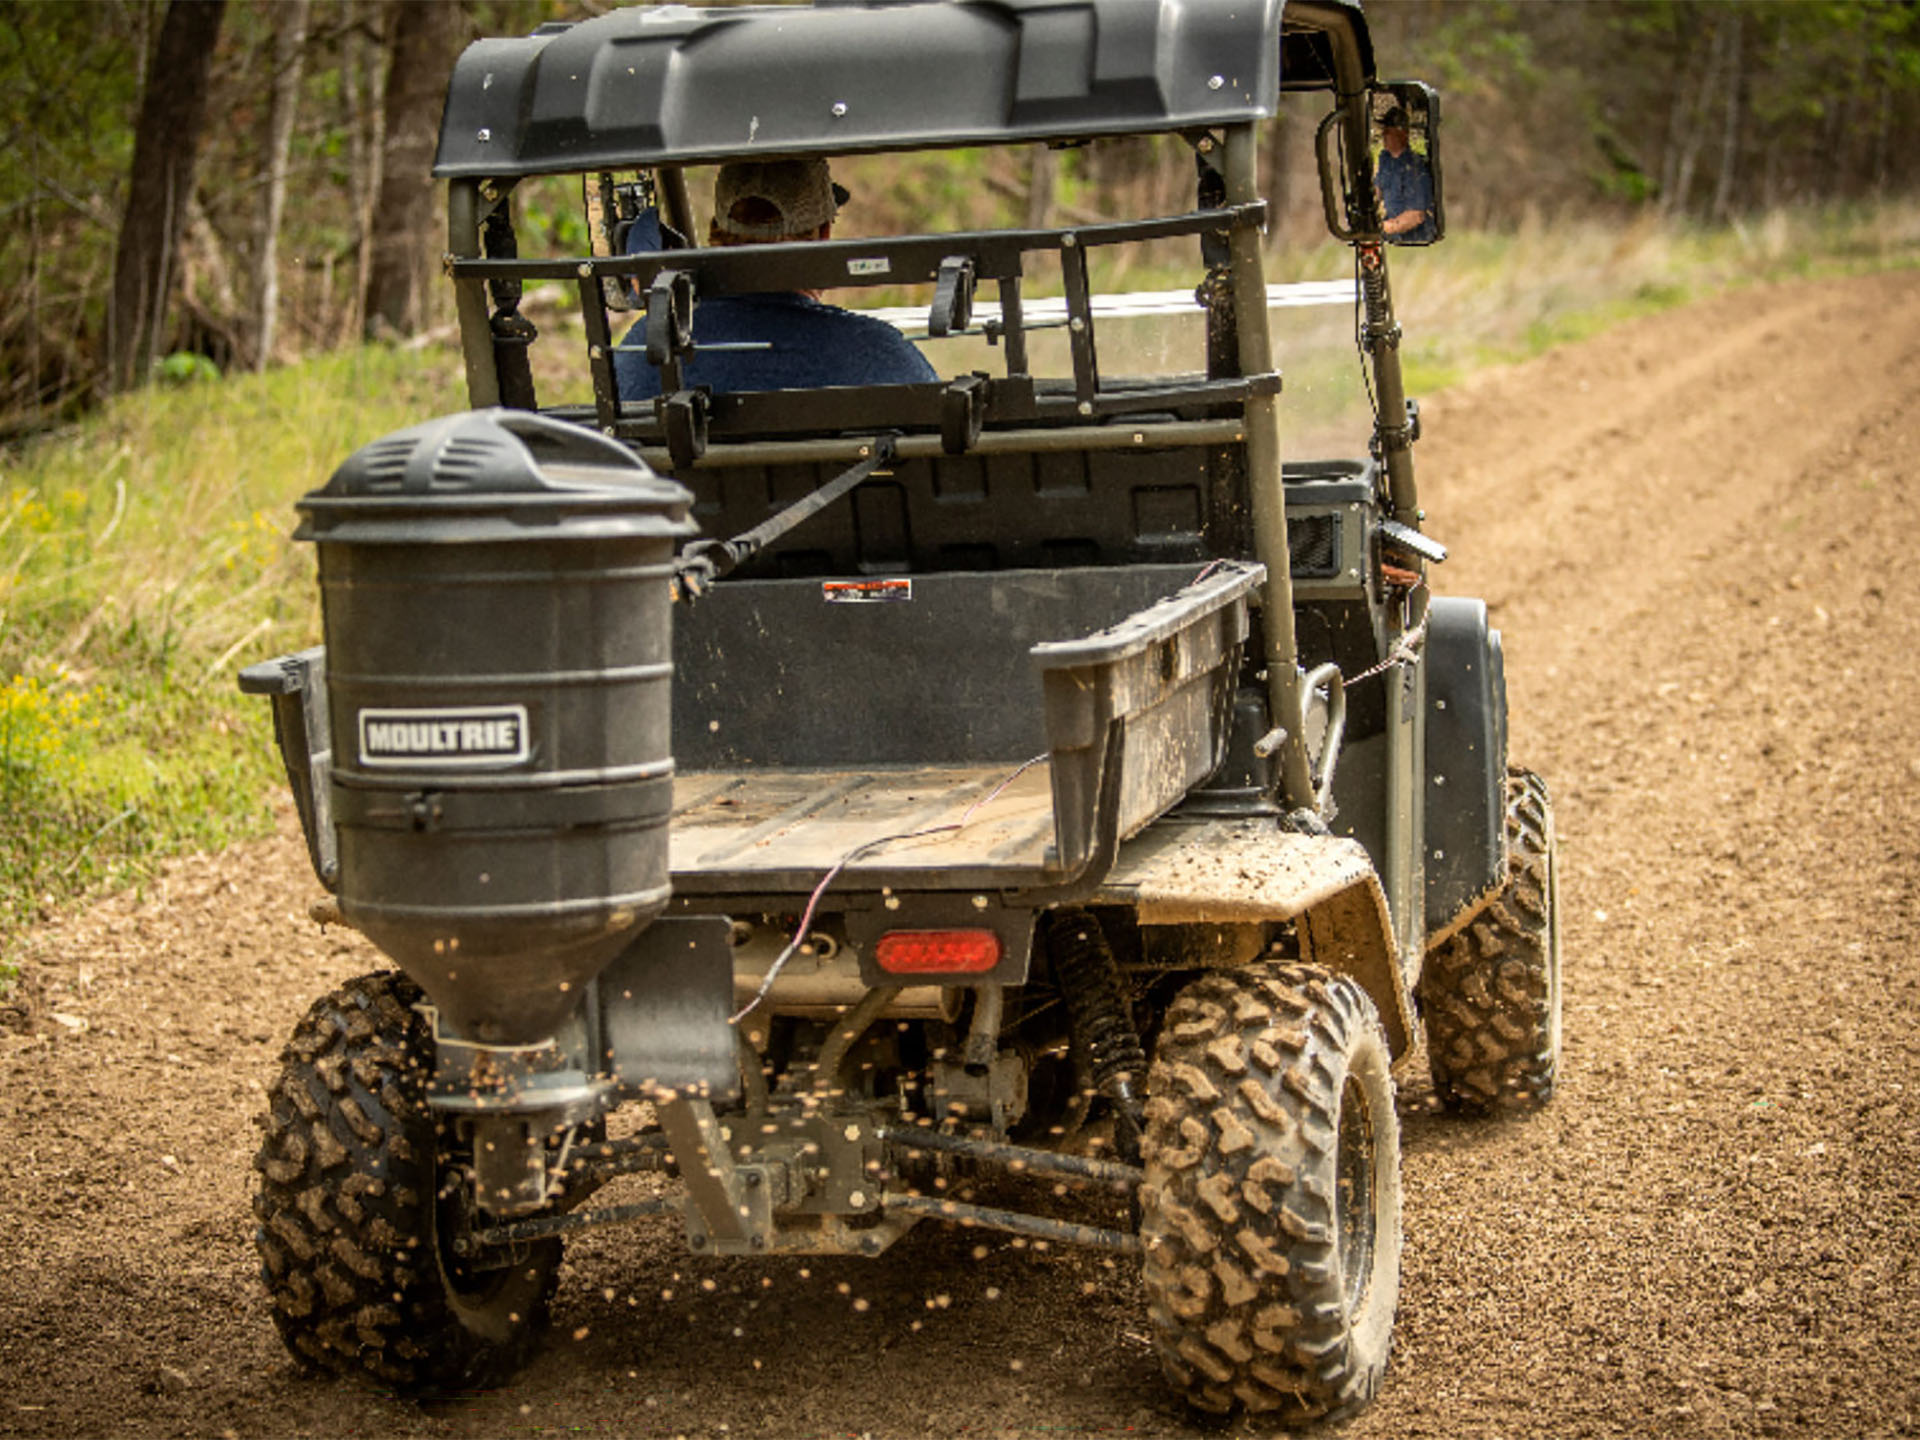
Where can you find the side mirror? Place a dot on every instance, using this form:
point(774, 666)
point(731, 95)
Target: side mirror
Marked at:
point(1404, 142)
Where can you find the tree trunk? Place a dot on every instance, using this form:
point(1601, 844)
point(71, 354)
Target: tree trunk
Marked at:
point(1678, 105)
point(364, 122)
point(27, 391)
point(420, 59)
point(1734, 74)
point(1042, 167)
point(1882, 136)
point(1698, 108)
point(1774, 140)
point(164, 147)
point(289, 50)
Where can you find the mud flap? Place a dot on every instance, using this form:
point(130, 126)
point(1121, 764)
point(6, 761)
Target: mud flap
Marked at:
point(1466, 835)
point(664, 1007)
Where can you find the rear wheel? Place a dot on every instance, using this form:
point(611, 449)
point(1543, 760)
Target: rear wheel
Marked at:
point(1271, 1203)
point(359, 1198)
point(1491, 994)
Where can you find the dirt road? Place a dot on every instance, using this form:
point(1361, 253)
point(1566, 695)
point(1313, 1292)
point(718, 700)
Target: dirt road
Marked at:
point(1697, 535)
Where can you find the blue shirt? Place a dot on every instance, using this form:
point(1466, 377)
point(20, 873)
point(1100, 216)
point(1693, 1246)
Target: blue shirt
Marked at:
point(1405, 184)
point(808, 345)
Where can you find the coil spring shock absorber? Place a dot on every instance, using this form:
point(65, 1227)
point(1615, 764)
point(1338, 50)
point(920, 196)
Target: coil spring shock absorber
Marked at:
point(1101, 1014)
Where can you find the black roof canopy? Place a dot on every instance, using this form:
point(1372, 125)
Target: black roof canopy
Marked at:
point(673, 84)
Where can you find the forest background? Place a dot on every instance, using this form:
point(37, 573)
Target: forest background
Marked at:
point(219, 275)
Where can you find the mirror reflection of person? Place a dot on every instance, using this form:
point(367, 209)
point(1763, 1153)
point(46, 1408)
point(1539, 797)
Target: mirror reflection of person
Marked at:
point(1404, 182)
point(789, 340)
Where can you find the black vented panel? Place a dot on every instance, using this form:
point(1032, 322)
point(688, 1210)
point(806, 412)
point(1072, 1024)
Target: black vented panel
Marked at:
point(386, 464)
point(1313, 545)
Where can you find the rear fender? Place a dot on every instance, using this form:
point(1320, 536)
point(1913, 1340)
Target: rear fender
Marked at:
point(1350, 932)
point(1240, 872)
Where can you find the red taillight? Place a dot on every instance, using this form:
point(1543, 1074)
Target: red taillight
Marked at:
point(938, 952)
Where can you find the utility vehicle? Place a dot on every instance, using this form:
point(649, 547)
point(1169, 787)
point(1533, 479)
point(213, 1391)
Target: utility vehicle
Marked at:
point(1021, 780)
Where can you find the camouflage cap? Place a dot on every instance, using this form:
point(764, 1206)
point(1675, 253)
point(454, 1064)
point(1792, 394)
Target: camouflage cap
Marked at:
point(773, 199)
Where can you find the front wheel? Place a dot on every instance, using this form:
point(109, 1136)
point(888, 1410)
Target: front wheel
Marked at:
point(1271, 1202)
point(1491, 994)
point(358, 1199)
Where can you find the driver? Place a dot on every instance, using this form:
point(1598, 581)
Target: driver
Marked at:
point(790, 340)
point(1404, 182)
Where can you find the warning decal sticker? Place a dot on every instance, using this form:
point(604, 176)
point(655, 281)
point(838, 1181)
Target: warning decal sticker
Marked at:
point(865, 592)
point(466, 736)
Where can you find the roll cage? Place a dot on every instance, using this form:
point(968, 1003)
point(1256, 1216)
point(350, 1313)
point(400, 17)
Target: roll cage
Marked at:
point(960, 410)
point(662, 88)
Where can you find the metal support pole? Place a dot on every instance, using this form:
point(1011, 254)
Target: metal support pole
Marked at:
point(1402, 870)
point(706, 1163)
point(524, 1230)
point(1383, 346)
point(978, 1215)
point(465, 208)
point(1017, 1159)
point(983, 1036)
point(1263, 477)
point(674, 199)
point(1075, 439)
point(827, 1078)
point(1383, 349)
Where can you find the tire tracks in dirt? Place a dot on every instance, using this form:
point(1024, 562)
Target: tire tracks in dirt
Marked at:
point(1581, 498)
point(1724, 1228)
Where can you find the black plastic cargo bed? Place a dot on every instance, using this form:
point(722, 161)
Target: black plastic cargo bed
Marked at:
point(899, 702)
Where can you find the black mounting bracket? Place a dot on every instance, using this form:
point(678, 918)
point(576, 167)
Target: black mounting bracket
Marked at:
point(669, 317)
point(952, 308)
point(683, 415)
point(963, 410)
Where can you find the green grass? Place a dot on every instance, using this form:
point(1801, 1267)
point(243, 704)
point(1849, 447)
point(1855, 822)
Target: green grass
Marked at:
point(146, 553)
point(1481, 300)
point(145, 556)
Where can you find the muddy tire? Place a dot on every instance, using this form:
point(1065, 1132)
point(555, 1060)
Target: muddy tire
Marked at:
point(1491, 994)
point(351, 1217)
point(1271, 1204)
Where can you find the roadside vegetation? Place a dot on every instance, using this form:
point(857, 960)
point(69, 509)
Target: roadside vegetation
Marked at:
point(1483, 299)
point(145, 556)
point(146, 551)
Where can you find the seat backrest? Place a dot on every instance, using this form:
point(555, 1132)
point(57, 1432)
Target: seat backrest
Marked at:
point(986, 511)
